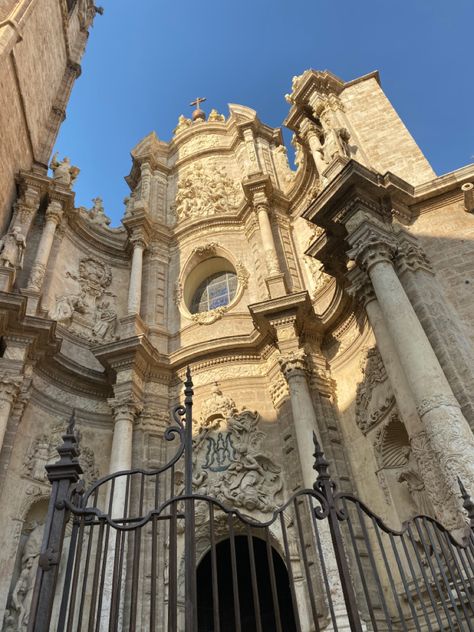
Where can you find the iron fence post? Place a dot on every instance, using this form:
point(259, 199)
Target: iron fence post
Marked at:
point(468, 503)
point(326, 486)
point(63, 475)
point(189, 520)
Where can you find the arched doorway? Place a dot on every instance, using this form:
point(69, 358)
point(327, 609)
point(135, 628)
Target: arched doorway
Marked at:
point(247, 606)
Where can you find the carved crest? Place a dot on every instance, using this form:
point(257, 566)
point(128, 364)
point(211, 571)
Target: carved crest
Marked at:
point(229, 461)
point(374, 397)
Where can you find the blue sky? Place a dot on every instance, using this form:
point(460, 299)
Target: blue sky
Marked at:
point(147, 59)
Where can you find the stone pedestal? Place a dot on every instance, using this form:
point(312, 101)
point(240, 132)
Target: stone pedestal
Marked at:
point(276, 285)
point(7, 278)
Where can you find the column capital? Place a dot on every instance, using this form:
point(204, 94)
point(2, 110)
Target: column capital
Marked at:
point(371, 244)
point(308, 129)
point(139, 238)
point(55, 210)
point(126, 407)
point(360, 288)
point(410, 255)
point(293, 363)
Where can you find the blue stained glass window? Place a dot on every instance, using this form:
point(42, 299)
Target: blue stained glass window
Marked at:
point(217, 290)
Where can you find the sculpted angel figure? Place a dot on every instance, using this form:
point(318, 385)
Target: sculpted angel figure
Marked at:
point(416, 486)
point(12, 248)
point(23, 591)
point(63, 171)
point(66, 305)
point(97, 214)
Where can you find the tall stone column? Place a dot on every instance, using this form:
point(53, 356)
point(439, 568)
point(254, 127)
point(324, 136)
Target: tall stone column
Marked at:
point(449, 340)
point(293, 367)
point(9, 389)
point(262, 209)
point(362, 289)
point(450, 436)
point(135, 288)
point(54, 215)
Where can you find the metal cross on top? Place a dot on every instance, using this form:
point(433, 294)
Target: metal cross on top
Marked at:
point(198, 102)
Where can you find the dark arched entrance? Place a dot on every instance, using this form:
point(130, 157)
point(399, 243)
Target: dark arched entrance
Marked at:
point(247, 606)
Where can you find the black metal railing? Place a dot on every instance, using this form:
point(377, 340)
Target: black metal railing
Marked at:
point(147, 553)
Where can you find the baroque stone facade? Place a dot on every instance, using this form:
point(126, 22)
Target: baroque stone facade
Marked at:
point(321, 298)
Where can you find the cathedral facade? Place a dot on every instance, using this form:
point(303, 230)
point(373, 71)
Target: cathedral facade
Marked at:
point(333, 297)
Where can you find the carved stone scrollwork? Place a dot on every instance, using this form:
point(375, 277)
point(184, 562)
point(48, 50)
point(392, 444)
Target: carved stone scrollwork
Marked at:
point(99, 319)
point(361, 288)
point(209, 317)
point(43, 451)
point(374, 397)
point(216, 408)
point(229, 463)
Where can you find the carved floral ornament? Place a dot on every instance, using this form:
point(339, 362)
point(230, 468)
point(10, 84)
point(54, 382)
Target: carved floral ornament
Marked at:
point(374, 398)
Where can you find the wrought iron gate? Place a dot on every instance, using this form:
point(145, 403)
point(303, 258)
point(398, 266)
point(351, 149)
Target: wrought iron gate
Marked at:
point(123, 555)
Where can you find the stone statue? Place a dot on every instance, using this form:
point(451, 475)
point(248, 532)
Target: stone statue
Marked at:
point(65, 307)
point(23, 590)
point(97, 214)
point(336, 143)
point(63, 172)
point(105, 327)
point(416, 486)
point(12, 248)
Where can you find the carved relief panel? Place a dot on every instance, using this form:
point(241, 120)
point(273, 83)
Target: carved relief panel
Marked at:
point(230, 462)
point(89, 311)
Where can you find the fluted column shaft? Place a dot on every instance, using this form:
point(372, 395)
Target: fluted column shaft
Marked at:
point(54, 214)
point(135, 289)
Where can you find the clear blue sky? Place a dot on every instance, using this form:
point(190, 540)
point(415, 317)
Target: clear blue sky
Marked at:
point(147, 59)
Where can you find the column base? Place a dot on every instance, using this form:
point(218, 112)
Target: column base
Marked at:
point(7, 277)
point(276, 285)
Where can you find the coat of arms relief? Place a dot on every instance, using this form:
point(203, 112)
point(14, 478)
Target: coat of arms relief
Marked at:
point(229, 461)
point(89, 311)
